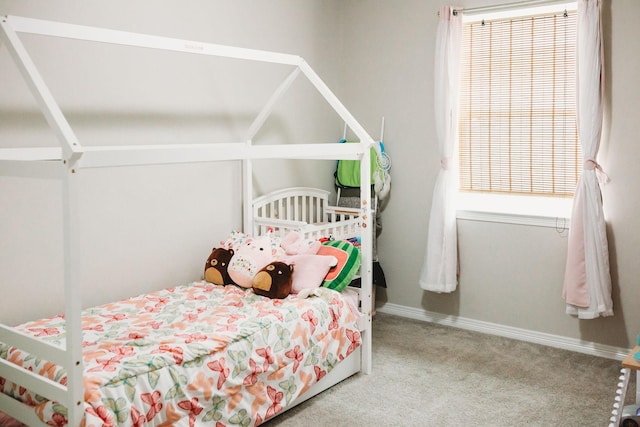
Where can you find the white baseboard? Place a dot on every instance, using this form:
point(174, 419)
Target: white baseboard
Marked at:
point(557, 341)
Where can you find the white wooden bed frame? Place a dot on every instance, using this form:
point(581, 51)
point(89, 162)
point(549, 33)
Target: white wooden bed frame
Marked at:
point(68, 162)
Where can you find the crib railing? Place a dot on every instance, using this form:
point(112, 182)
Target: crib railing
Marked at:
point(305, 210)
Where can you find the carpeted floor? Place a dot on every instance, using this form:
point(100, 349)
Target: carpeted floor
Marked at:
point(431, 375)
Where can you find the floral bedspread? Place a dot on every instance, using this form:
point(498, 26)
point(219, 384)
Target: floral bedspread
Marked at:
point(194, 355)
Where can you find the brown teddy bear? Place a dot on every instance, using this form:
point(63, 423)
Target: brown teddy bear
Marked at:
point(215, 270)
point(274, 280)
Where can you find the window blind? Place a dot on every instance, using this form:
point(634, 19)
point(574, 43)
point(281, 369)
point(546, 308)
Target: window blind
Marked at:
point(517, 118)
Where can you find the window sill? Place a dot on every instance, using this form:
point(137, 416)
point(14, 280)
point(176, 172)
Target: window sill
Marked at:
point(512, 209)
point(559, 223)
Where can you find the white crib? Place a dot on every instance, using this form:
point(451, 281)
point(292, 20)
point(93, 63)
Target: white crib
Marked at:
point(306, 210)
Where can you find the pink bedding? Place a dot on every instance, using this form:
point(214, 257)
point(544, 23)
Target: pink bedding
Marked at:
point(194, 355)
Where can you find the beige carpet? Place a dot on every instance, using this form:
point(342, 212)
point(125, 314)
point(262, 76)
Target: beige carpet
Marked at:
point(430, 375)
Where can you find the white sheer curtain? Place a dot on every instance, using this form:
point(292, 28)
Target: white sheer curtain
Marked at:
point(440, 270)
point(587, 282)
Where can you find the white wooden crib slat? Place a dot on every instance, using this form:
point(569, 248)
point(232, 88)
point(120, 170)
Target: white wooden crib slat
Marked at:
point(301, 208)
point(280, 211)
point(319, 209)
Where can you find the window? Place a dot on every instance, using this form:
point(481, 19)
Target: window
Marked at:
point(518, 143)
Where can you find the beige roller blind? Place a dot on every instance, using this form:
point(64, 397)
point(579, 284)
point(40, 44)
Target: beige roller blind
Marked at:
point(517, 123)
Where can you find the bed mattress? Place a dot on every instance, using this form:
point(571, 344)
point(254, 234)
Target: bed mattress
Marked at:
point(195, 354)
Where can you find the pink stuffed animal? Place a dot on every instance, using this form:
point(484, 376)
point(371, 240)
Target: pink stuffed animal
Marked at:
point(295, 244)
point(249, 259)
point(309, 268)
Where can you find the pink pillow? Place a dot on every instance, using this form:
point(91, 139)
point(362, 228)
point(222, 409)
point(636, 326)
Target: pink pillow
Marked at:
point(309, 270)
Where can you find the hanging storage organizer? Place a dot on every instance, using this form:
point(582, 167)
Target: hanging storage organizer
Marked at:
point(347, 181)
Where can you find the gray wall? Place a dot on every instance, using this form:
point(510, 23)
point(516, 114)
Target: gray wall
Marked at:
point(509, 274)
point(378, 57)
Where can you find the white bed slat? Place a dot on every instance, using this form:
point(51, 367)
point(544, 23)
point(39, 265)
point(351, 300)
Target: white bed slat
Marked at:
point(323, 151)
point(366, 240)
point(247, 191)
point(266, 110)
point(33, 381)
point(132, 155)
point(48, 106)
point(73, 298)
point(20, 411)
point(37, 347)
point(31, 154)
point(330, 97)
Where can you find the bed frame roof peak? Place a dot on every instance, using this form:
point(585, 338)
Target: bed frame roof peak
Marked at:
point(76, 155)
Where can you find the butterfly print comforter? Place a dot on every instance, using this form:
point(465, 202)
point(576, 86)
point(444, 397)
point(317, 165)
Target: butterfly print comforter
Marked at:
point(194, 355)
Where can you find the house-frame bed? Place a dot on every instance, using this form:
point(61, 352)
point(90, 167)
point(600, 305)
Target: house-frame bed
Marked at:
point(68, 162)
